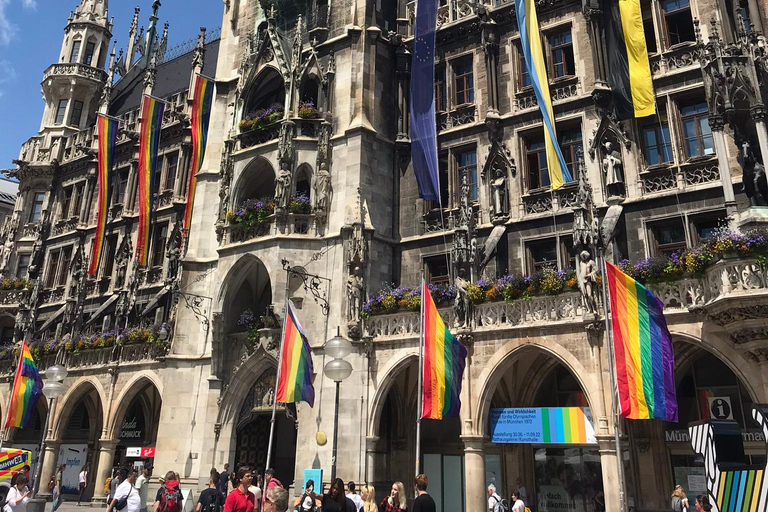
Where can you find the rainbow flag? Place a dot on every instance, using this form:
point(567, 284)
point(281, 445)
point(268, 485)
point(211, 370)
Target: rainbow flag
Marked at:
point(106, 128)
point(645, 361)
point(444, 361)
point(201, 117)
point(530, 41)
point(296, 370)
point(149, 141)
point(27, 388)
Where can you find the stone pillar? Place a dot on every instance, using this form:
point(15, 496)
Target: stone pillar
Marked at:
point(490, 38)
point(50, 459)
point(716, 124)
point(609, 468)
point(403, 73)
point(372, 459)
point(474, 473)
point(758, 115)
point(106, 461)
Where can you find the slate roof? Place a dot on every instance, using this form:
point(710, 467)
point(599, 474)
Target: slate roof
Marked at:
point(172, 77)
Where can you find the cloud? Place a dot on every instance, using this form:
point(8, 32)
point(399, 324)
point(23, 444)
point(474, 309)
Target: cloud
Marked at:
point(7, 29)
point(29, 4)
point(7, 75)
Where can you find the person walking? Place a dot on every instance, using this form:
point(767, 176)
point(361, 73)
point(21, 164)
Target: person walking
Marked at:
point(24, 471)
point(18, 495)
point(169, 497)
point(679, 500)
point(82, 481)
point(423, 501)
point(241, 499)
point(518, 505)
point(276, 500)
point(113, 484)
point(256, 488)
point(336, 501)
point(223, 482)
point(126, 491)
point(702, 503)
point(211, 499)
point(494, 500)
point(356, 499)
point(142, 485)
point(368, 493)
point(396, 501)
point(58, 496)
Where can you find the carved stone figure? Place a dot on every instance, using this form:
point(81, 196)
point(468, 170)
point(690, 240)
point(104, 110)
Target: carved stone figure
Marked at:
point(122, 258)
point(78, 273)
point(587, 276)
point(499, 185)
point(465, 210)
point(754, 176)
point(174, 253)
point(36, 258)
point(354, 295)
point(283, 188)
point(461, 302)
point(613, 167)
point(323, 188)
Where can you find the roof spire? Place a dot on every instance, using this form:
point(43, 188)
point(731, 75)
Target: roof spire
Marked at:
point(106, 93)
point(151, 37)
point(130, 51)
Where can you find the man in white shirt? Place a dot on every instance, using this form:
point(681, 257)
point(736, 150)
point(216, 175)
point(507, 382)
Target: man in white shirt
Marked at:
point(142, 484)
point(494, 501)
point(356, 499)
point(127, 489)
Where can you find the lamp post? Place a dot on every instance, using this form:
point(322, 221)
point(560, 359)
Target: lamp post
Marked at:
point(337, 369)
point(52, 389)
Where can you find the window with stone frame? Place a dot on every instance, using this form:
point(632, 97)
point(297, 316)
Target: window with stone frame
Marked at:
point(64, 261)
point(656, 140)
point(157, 178)
point(61, 111)
point(705, 226)
point(77, 199)
point(53, 268)
point(666, 236)
point(159, 238)
point(22, 265)
point(171, 169)
point(570, 140)
point(466, 162)
point(108, 261)
point(463, 81)
point(66, 202)
point(437, 268)
point(75, 54)
point(561, 60)
point(441, 97)
point(678, 21)
point(646, 9)
point(76, 114)
point(6, 335)
point(37, 207)
point(90, 48)
point(121, 185)
point(694, 124)
point(524, 79)
point(554, 252)
point(442, 170)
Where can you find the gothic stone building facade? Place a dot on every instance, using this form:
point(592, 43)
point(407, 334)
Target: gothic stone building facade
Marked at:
point(307, 173)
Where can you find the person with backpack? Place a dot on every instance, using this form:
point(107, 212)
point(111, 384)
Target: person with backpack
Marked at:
point(223, 482)
point(679, 500)
point(211, 499)
point(126, 497)
point(495, 503)
point(170, 494)
point(58, 496)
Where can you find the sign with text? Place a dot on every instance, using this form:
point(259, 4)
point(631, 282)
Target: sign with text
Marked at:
point(545, 425)
point(75, 457)
point(144, 453)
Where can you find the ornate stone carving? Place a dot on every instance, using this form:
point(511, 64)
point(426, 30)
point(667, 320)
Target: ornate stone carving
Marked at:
point(259, 398)
point(587, 277)
point(122, 257)
point(754, 176)
point(613, 169)
point(355, 290)
point(174, 254)
point(462, 305)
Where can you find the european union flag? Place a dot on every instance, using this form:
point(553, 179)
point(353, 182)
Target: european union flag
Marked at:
point(423, 131)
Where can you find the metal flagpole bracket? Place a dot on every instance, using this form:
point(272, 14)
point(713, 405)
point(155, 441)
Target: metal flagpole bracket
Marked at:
point(312, 283)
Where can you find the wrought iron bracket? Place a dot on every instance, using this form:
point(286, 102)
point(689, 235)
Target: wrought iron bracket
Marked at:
point(197, 304)
point(311, 283)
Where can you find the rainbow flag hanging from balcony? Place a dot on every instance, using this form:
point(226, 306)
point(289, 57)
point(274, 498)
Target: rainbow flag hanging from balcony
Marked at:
point(296, 370)
point(443, 364)
point(149, 140)
point(202, 101)
point(106, 128)
point(645, 361)
point(27, 388)
point(530, 41)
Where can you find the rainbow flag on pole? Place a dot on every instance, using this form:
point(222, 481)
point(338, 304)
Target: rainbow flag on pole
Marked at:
point(202, 102)
point(106, 128)
point(296, 370)
point(27, 388)
point(149, 140)
point(444, 362)
point(645, 361)
point(530, 41)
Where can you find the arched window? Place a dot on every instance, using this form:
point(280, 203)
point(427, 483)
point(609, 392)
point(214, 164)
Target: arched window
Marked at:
point(266, 92)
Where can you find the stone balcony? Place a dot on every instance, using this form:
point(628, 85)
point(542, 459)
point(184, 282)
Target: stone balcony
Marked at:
point(12, 298)
point(74, 69)
point(275, 224)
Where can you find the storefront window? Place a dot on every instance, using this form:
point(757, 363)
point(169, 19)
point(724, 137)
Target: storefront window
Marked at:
point(568, 479)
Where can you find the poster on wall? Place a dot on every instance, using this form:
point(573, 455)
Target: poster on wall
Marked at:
point(544, 425)
point(75, 457)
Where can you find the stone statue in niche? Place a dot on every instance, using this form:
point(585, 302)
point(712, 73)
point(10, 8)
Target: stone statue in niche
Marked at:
point(355, 288)
point(587, 277)
point(613, 168)
point(461, 303)
point(122, 259)
point(499, 185)
point(283, 188)
point(754, 176)
point(323, 188)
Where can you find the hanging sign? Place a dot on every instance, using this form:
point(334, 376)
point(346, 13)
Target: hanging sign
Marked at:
point(546, 425)
point(147, 453)
point(133, 452)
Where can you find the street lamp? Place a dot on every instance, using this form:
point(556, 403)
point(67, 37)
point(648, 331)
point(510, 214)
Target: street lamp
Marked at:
point(337, 369)
point(162, 333)
point(52, 389)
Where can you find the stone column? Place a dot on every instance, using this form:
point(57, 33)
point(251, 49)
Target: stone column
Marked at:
point(372, 459)
point(106, 461)
point(490, 38)
point(758, 115)
point(609, 467)
point(403, 73)
point(50, 460)
point(474, 473)
point(716, 124)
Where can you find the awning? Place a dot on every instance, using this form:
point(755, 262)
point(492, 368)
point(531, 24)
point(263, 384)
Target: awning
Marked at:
point(53, 318)
point(152, 304)
point(102, 309)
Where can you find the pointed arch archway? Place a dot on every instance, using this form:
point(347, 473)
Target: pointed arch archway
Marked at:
point(267, 89)
point(256, 181)
point(136, 415)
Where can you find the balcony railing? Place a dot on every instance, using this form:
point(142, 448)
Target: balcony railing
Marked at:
point(12, 297)
point(466, 114)
point(674, 60)
point(236, 233)
point(80, 70)
point(255, 137)
point(685, 176)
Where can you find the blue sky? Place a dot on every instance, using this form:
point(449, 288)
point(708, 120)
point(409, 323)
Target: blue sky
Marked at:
point(31, 32)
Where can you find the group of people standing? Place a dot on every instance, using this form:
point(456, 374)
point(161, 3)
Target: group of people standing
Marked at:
point(680, 502)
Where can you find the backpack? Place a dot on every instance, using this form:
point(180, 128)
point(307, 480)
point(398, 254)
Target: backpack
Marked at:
point(527, 509)
point(677, 504)
point(503, 505)
point(170, 497)
point(216, 504)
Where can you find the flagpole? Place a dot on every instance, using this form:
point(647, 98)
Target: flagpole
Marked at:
point(420, 389)
point(277, 378)
point(612, 372)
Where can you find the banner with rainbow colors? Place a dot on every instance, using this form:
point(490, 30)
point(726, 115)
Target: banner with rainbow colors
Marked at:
point(106, 129)
point(202, 102)
point(149, 140)
point(543, 425)
point(27, 389)
point(296, 370)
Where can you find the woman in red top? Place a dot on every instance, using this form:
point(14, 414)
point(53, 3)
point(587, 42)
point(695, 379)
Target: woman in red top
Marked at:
point(241, 499)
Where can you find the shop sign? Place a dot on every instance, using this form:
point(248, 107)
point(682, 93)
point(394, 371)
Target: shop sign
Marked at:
point(682, 436)
point(130, 429)
point(75, 457)
point(145, 453)
point(720, 407)
point(545, 425)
